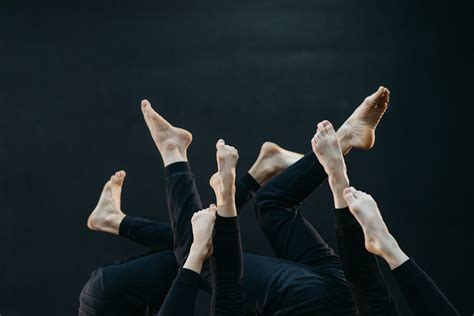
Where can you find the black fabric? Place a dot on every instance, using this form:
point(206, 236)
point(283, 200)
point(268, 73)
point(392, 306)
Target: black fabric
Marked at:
point(422, 294)
point(361, 268)
point(291, 236)
point(130, 286)
point(228, 273)
point(157, 236)
point(227, 277)
point(181, 298)
point(311, 283)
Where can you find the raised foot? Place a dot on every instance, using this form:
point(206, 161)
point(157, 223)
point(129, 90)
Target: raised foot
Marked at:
point(107, 215)
point(271, 161)
point(223, 181)
point(326, 147)
point(203, 224)
point(172, 142)
point(359, 129)
point(378, 240)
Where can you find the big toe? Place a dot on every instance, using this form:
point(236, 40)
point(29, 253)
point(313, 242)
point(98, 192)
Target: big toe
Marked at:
point(145, 103)
point(119, 177)
point(328, 127)
point(220, 143)
point(349, 196)
point(321, 129)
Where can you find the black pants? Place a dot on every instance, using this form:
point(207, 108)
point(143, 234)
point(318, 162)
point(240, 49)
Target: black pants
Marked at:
point(227, 275)
point(306, 279)
point(367, 284)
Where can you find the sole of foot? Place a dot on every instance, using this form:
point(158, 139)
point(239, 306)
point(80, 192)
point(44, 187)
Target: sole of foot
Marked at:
point(271, 161)
point(107, 215)
point(358, 130)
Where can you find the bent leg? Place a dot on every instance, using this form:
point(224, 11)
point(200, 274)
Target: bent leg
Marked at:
point(129, 287)
point(291, 236)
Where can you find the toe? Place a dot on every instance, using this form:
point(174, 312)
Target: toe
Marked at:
point(328, 127)
point(354, 192)
point(145, 104)
point(348, 196)
point(220, 143)
point(321, 129)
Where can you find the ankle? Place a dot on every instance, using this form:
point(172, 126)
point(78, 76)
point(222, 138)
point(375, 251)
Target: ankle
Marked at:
point(344, 137)
point(227, 210)
point(260, 174)
point(394, 256)
point(390, 251)
point(112, 223)
point(171, 156)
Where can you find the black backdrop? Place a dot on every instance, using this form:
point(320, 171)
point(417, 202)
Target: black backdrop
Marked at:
point(71, 81)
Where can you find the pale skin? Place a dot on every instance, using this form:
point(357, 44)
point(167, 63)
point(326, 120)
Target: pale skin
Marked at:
point(358, 131)
point(223, 183)
point(201, 248)
point(378, 239)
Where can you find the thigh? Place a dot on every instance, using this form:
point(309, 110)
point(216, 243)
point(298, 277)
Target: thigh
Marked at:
point(291, 236)
point(129, 286)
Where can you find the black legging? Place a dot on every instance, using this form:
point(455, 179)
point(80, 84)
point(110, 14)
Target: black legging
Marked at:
point(366, 281)
point(227, 276)
point(313, 284)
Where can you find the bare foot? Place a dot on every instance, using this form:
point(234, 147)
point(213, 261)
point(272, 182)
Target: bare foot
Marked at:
point(172, 142)
point(378, 239)
point(223, 181)
point(107, 215)
point(359, 129)
point(203, 226)
point(326, 147)
point(271, 161)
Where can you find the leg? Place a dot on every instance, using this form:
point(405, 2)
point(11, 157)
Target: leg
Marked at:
point(108, 217)
point(360, 267)
point(227, 272)
point(181, 298)
point(129, 287)
point(422, 294)
point(290, 235)
point(183, 198)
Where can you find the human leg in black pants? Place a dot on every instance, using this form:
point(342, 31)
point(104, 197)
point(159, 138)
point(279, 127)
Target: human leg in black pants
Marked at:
point(290, 235)
point(293, 238)
point(183, 199)
point(422, 294)
point(131, 286)
point(181, 297)
point(360, 267)
point(227, 270)
point(367, 283)
point(228, 292)
point(108, 217)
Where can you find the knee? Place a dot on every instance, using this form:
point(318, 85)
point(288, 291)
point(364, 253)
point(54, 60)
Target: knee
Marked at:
point(99, 286)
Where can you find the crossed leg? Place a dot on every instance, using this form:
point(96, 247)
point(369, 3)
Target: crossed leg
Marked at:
point(362, 234)
point(291, 236)
point(360, 267)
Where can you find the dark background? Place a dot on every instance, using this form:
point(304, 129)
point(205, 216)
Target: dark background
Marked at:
point(72, 77)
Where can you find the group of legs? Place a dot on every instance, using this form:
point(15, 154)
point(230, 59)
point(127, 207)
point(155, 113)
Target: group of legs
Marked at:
point(202, 249)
